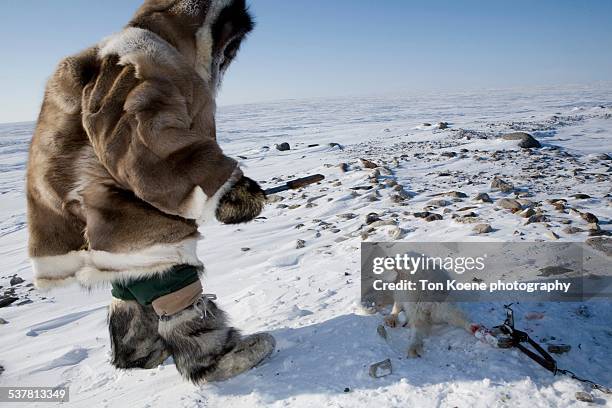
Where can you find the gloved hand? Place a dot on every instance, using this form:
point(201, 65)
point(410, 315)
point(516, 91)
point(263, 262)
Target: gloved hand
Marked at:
point(242, 203)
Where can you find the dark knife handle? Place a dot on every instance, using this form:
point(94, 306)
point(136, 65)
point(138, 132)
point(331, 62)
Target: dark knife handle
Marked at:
point(295, 184)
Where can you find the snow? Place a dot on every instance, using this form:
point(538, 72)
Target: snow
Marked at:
point(308, 298)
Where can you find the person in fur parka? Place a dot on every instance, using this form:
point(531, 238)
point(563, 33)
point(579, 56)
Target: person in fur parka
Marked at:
point(124, 166)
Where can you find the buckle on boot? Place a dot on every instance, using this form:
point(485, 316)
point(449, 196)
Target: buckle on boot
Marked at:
point(200, 305)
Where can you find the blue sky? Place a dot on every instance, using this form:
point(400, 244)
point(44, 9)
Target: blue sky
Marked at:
point(310, 48)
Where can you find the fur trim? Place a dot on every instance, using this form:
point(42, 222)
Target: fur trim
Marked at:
point(58, 267)
point(91, 268)
point(134, 44)
point(202, 208)
point(204, 43)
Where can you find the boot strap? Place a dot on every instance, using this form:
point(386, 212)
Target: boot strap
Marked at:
point(174, 302)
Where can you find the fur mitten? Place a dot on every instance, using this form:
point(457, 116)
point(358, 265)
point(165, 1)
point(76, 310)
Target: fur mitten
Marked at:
point(242, 203)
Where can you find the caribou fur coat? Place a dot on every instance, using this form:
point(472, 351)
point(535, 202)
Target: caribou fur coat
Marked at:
point(124, 163)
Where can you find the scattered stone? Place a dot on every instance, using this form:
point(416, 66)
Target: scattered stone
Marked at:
point(484, 197)
point(283, 147)
point(396, 233)
point(313, 145)
point(397, 198)
point(338, 145)
point(553, 271)
point(423, 214)
point(593, 227)
point(509, 204)
point(7, 300)
point(433, 217)
point(466, 208)
point(601, 244)
point(274, 198)
point(343, 167)
point(383, 223)
point(16, 280)
point(526, 141)
point(438, 203)
point(501, 185)
point(381, 369)
point(1, 369)
point(599, 233)
point(559, 206)
point(368, 164)
point(2, 321)
point(426, 124)
point(572, 230)
point(245, 249)
point(601, 156)
point(442, 125)
point(347, 389)
point(552, 235)
point(559, 348)
point(584, 396)
point(456, 194)
point(371, 217)
point(386, 171)
point(536, 218)
point(347, 216)
point(583, 311)
point(590, 218)
point(448, 154)
point(483, 228)
point(391, 183)
point(382, 332)
point(526, 203)
point(581, 196)
point(300, 243)
point(527, 213)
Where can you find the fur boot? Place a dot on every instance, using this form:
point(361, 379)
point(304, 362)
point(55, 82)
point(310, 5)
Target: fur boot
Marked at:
point(135, 342)
point(204, 347)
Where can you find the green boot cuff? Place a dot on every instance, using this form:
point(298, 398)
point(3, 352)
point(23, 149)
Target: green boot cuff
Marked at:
point(146, 290)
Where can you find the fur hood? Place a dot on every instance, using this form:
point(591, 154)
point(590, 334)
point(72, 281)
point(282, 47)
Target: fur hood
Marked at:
point(207, 33)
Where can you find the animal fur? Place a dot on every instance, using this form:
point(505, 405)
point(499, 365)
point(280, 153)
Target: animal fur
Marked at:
point(422, 315)
point(206, 349)
point(124, 162)
point(135, 342)
point(242, 203)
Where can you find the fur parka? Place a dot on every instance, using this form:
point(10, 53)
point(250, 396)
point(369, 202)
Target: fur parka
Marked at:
point(124, 163)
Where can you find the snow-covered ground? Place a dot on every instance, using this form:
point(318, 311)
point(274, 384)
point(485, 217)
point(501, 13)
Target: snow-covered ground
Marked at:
point(309, 297)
